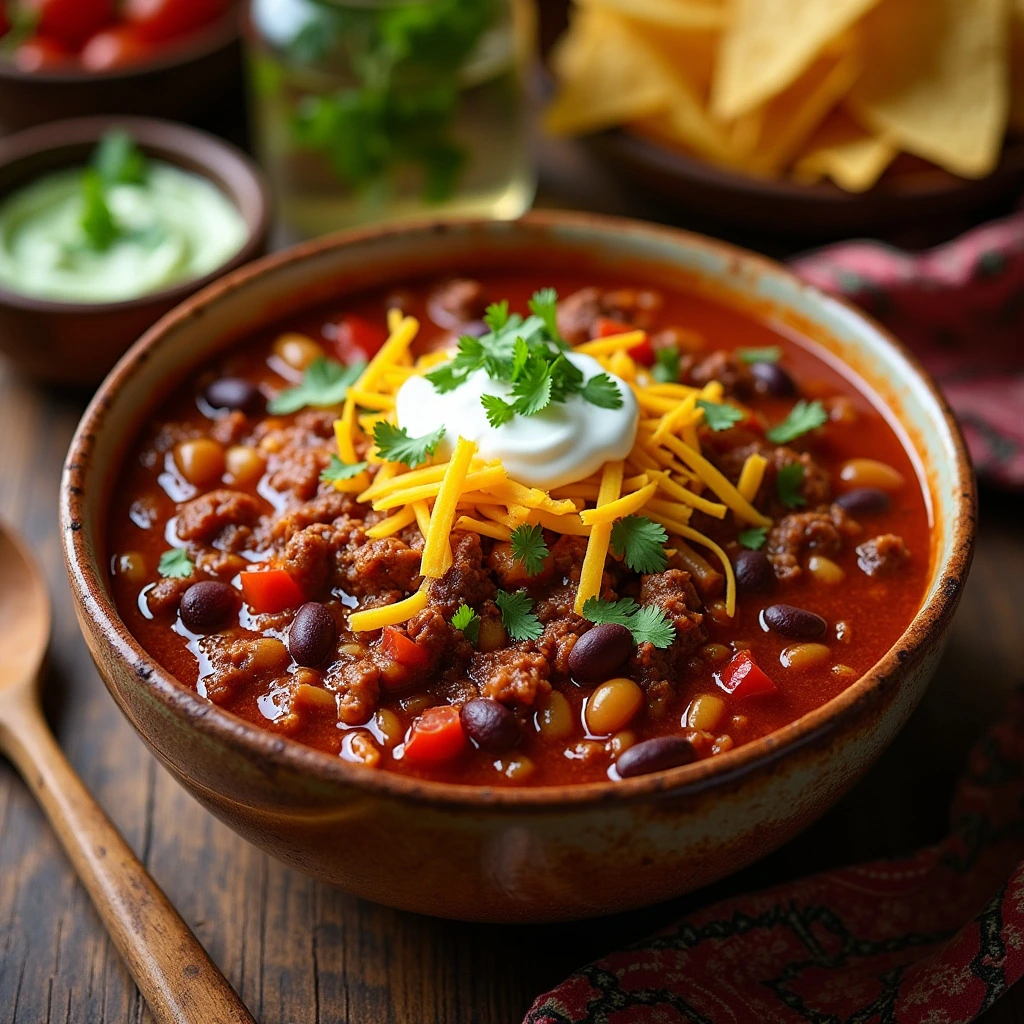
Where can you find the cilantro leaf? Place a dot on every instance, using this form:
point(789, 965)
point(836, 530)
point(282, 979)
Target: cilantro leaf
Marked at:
point(753, 538)
point(770, 354)
point(802, 417)
point(529, 548)
point(666, 365)
point(532, 391)
point(641, 543)
point(175, 564)
point(566, 379)
point(496, 315)
point(117, 159)
point(445, 378)
point(467, 622)
point(517, 615)
point(718, 416)
point(394, 444)
point(520, 356)
point(98, 224)
point(499, 412)
point(648, 624)
point(544, 304)
point(603, 392)
point(338, 470)
point(787, 484)
point(325, 383)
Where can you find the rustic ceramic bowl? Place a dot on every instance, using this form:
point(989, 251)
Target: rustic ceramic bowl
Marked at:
point(76, 343)
point(546, 853)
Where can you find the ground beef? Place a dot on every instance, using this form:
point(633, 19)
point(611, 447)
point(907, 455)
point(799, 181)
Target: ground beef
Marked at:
point(357, 684)
point(729, 450)
point(220, 563)
point(300, 472)
point(734, 374)
point(456, 303)
point(381, 567)
point(579, 312)
point(467, 581)
point(823, 532)
point(230, 428)
point(514, 675)
point(240, 664)
point(164, 597)
point(206, 518)
point(882, 556)
point(559, 638)
point(307, 557)
point(324, 508)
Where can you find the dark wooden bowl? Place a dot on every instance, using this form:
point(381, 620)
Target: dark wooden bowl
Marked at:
point(182, 82)
point(74, 343)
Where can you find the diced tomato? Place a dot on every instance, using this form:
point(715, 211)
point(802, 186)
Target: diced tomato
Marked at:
point(41, 54)
point(435, 736)
point(606, 327)
point(743, 678)
point(165, 19)
point(70, 21)
point(270, 590)
point(115, 47)
point(643, 353)
point(357, 338)
point(398, 647)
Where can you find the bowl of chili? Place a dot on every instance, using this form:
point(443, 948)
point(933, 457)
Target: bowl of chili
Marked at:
point(385, 654)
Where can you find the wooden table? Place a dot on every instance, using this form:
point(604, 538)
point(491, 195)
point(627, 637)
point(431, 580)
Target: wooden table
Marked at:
point(300, 952)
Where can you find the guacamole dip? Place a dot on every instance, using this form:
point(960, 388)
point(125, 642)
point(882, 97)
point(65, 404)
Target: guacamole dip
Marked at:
point(71, 237)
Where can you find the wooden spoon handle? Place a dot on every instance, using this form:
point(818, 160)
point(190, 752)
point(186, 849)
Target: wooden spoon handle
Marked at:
point(178, 980)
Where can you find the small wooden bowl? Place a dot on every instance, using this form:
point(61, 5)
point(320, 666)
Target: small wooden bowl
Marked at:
point(182, 82)
point(76, 343)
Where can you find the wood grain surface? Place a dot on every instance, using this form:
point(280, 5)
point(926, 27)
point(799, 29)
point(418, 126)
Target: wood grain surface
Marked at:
point(299, 952)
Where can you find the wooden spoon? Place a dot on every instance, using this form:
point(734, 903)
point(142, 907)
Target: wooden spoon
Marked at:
point(179, 981)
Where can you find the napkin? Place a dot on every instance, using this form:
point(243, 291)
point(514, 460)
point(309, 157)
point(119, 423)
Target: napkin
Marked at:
point(933, 938)
point(960, 308)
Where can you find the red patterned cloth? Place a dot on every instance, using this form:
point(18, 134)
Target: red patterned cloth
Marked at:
point(960, 307)
point(934, 938)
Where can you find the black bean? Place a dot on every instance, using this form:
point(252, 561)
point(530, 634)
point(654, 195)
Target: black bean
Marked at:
point(600, 653)
point(207, 606)
point(234, 393)
point(312, 635)
point(655, 756)
point(489, 724)
point(772, 379)
point(754, 573)
point(792, 621)
point(864, 501)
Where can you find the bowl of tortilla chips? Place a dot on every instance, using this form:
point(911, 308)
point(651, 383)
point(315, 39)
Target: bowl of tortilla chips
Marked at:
point(810, 116)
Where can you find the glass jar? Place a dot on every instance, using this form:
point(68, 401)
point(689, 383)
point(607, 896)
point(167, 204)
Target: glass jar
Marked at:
point(368, 111)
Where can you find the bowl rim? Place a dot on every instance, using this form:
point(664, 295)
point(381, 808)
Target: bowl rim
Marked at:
point(181, 145)
point(284, 754)
point(202, 42)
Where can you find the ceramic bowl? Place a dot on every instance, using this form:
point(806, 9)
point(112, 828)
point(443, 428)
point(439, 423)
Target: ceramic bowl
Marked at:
point(530, 854)
point(184, 80)
point(76, 343)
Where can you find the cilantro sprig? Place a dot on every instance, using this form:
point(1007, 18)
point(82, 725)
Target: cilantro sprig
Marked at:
point(175, 564)
point(115, 161)
point(666, 365)
point(788, 482)
point(753, 538)
point(517, 615)
point(527, 355)
point(648, 623)
point(324, 384)
point(394, 444)
point(804, 416)
point(769, 354)
point(337, 470)
point(718, 416)
point(640, 542)
point(467, 622)
point(529, 548)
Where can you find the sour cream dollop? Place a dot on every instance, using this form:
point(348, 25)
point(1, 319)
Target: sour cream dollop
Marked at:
point(567, 441)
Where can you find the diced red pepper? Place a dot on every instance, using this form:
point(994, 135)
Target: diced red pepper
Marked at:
point(398, 647)
point(643, 353)
point(743, 678)
point(435, 736)
point(357, 338)
point(606, 327)
point(270, 590)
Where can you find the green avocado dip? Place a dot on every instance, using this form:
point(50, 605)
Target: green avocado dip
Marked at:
point(118, 229)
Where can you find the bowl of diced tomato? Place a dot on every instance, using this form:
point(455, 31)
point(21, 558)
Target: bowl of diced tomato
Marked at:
point(175, 59)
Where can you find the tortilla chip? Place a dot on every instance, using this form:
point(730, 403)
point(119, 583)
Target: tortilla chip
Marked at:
point(606, 76)
point(843, 151)
point(792, 116)
point(936, 82)
point(770, 43)
point(670, 14)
